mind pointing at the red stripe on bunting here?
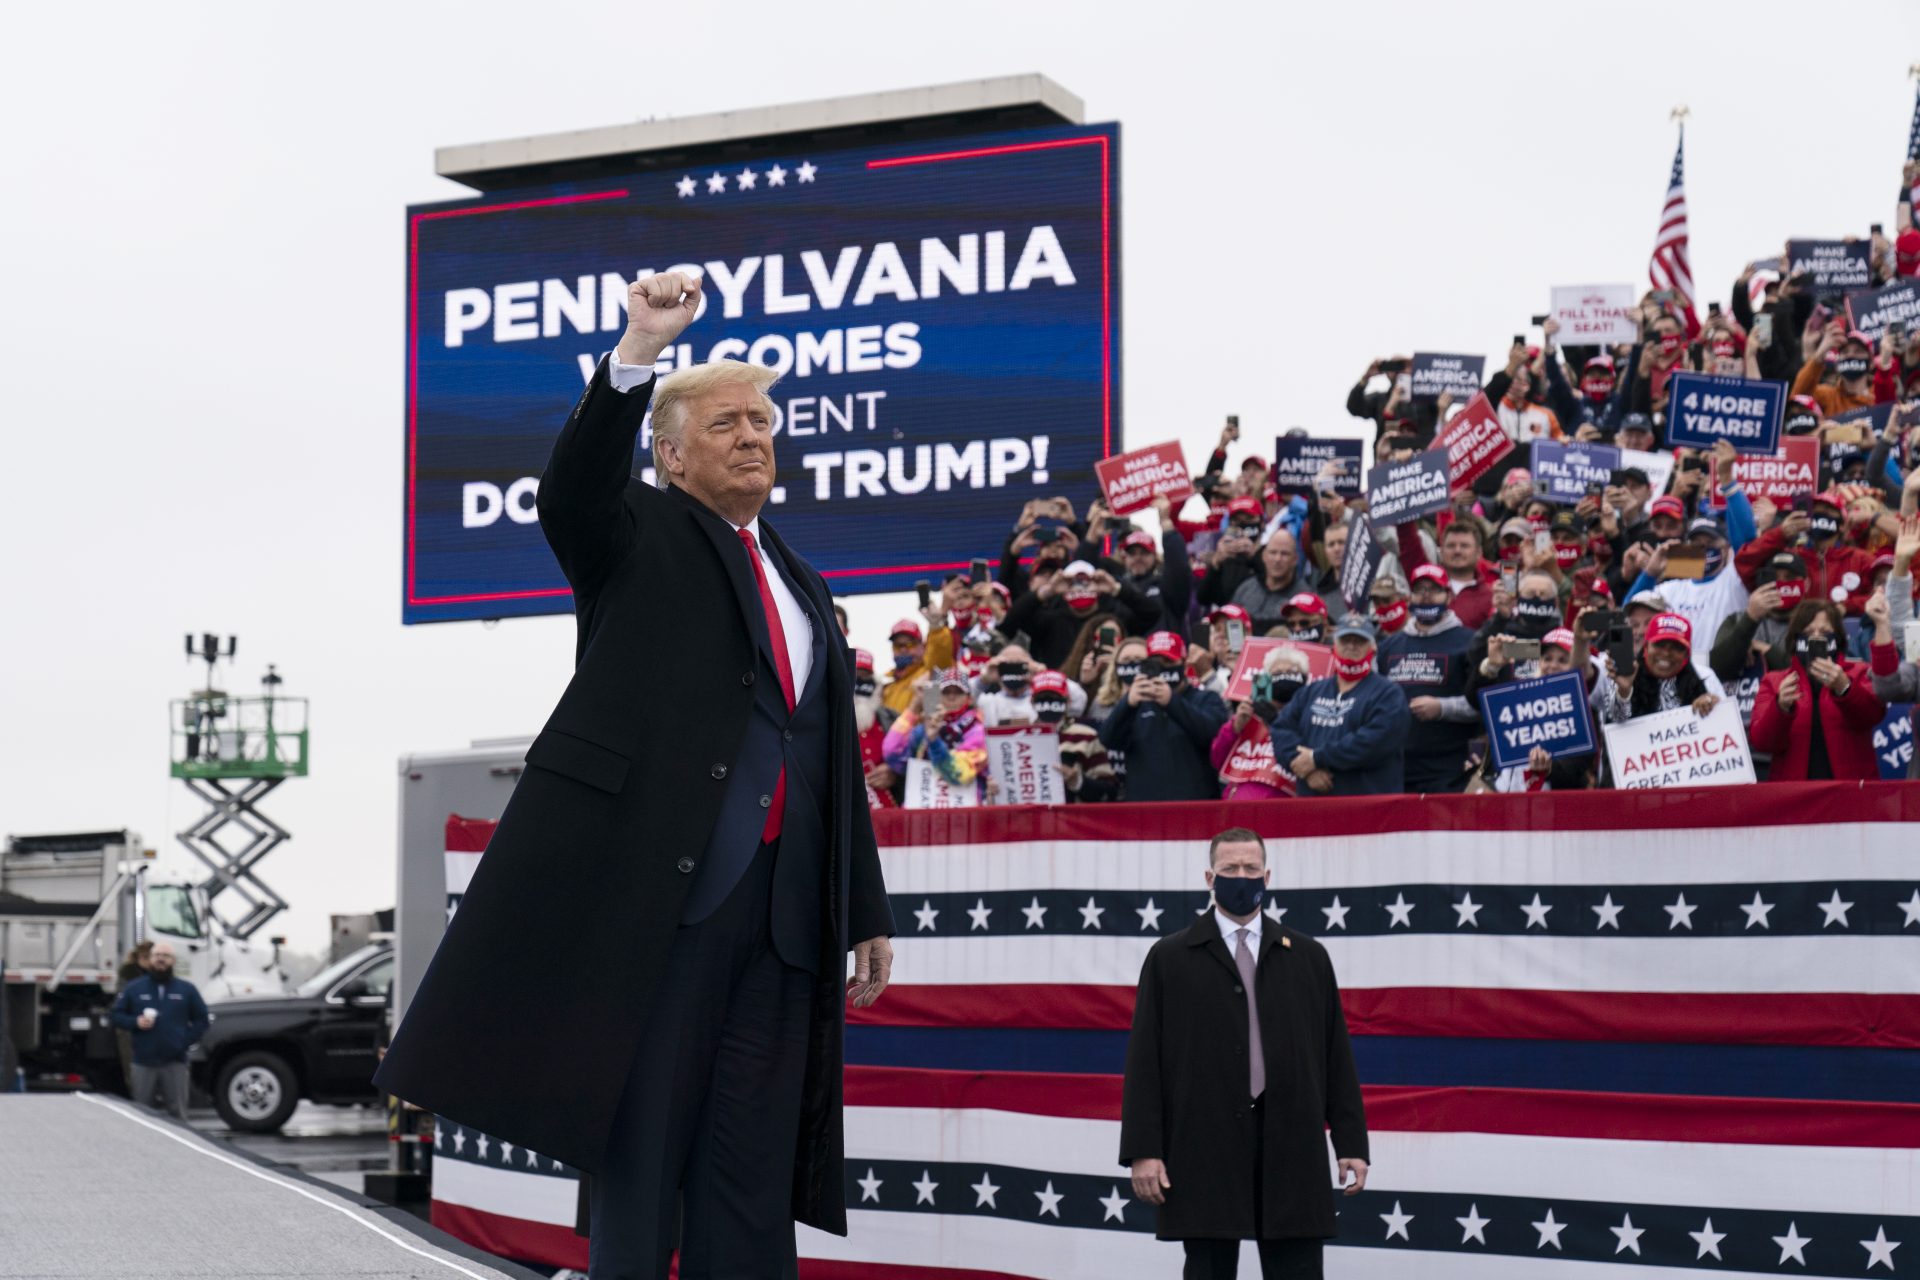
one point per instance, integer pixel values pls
(1549, 1113)
(1684, 1017)
(1652, 813)
(468, 835)
(512, 1237)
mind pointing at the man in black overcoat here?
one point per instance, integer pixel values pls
(1231, 1143)
(645, 978)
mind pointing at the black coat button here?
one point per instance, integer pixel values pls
(1239, 990)
(788, 735)
(746, 677)
(766, 802)
(685, 865)
(719, 771)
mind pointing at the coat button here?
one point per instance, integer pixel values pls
(787, 734)
(719, 771)
(746, 677)
(766, 802)
(1239, 990)
(684, 865)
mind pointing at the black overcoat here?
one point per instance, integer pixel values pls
(1185, 1098)
(526, 1020)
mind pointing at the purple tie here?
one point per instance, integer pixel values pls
(1256, 1056)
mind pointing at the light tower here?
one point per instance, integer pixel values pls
(231, 751)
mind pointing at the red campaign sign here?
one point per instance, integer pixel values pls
(1474, 441)
(1131, 481)
(1251, 759)
(1254, 658)
(1779, 477)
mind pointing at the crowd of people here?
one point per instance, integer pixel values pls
(1667, 586)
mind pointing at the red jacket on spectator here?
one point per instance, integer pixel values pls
(871, 754)
(1846, 724)
(1824, 572)
(1472, 605)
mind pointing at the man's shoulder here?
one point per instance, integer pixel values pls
(1304, 944)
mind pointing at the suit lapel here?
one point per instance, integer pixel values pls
(1206, 933)
(746, 592)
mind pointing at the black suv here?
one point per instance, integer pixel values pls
(320, 1042)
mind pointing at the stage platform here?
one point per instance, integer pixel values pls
(93, 1188)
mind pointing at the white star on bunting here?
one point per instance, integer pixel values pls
(506, 1153)
(978, 913)
(1473, 1226)
(870, 1187)
(1793, 1245)
(1397, 1223)
(1628, 1234)
(926, 915)
(806, 171)
(1879, 1249)
(1090, 914)
(1401, 910)
(1536, 911)
(1682, 913)
(746, 179)
(1116, 1206)
(1835, 910)
(480, 1147)
(1049, 1201)
(776, 177)
(1609, 915)
(1469, 912)
(1036, 914)
(1757, 911)
(685, 187)
(533, 1159)
(1708, 1239)
(717, 183)
(439, 1138)
(1149, 916)
(1336, 914)
(1274, 913)
(1549, 1231)
(1910, 909)
(985, 1190)
(925, 1188)
(459, 1142)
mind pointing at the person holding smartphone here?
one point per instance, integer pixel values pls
(1816, 718)
(944, 729)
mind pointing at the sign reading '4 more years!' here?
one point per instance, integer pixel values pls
(1549, 713)
(1133, 480)
(1703, 409)
(1680, 748)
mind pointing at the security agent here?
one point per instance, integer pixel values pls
(1237, 1066)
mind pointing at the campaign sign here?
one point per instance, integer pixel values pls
(1298, 462)
(1658, 466)
(927, 789)
(1871, 311)
(1550, 712)
(1401, 491)
(1835, 264)
(1434, 374)
(1593, 315)
(944, 317)
(1273, 653)
(1893, 742)
(1703, 408)
(1474, 441)
(1562, 472)
(1779, 477)
(1680, 748)
(1024, 762)
(1133, 480)
(1250, 759)
(1362, 562)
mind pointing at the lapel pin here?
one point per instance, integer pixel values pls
(1286, 942)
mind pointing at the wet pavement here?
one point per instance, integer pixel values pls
(334, 1144)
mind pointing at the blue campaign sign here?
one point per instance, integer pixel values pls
(1893, 742)
(1562, 472)
(1297, 461)
(1703, 408)
(945, 319)
(1550, 712)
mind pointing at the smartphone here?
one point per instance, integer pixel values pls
(1236, 636)
(1898, 328)
(1694, 463)
(1620, 648)
(1233, 420)
(1595, 488)
(1819, 647)
(1602, 621)
(1684, 562)
(1802, 502)
(1521, 650)
(1874, 229)
(925, 591)
(1536, 321)
(1542, 540)
(930, 699)
(977, 572)
(1391, 367)
(1662, 296)
(1713, 308)
(1763, 328)
(1519, 339)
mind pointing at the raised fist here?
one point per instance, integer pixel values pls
(658, 308)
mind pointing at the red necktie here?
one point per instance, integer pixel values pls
(782, 663)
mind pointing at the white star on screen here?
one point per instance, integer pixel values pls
(1149, 916)
(1879, 1249)
(1090, 914)
(806, 170)
(1049, 1200)
(746, 179)
(1468, 911)
(1035, 913)
(717, 183)
(925, 1188)
(1473, 1226)
(685, 187)
(978, 913)
(1835, 910)
(1336, 914)
(776, 177)
(1397, 1223)
(1116, 1206)
(1536, 912)
(1910, 909)
(1682, 912)
(1401, 910)
(1609, 915)
(1628, 1235)
(1794, 1245)
(985, 1190)
(1708, 1239)
(926, 915)
(1757, 911)
(1549, 1231)
(870, 1187)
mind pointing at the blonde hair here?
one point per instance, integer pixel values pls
(673, 391)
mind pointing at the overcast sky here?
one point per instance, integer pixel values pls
(204, 281)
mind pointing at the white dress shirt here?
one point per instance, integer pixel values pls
(1252, 927)
(794, 619)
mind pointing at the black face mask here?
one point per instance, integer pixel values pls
(1534, 618)
(864, 687)
(1428, 614)
(1239, 895)
(1049, 712)
(1801, 424)
(1286, 684)
(1126, 672)
(1852, 367)
(1309, 634)
(1823, 526)
(1015, 686)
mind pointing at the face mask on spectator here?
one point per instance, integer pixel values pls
(1851, 366)
(1509, 550)
(1792, 591)
(1126, 672)
(1239, 895)
(1389, 617)
(1168, 673)
(1353, 668)
(1286, 684)
(1015, 677)
(1824, 526)
(1597, 389)
(1670, 344)
(1716, 556)
(1049, 710)
(1600, 549)
(1567, 554)
(1428, 614)
(1534, 618)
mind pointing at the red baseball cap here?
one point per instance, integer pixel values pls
(1232, 612)
(1667, 505)
(955, 678)
(1670, 626)
(905, 627)
(1165, 644)
(1050, 682)
(1139, 538)
(1253, 460)
(1906, 252)
(1428, 573)
(1306, 602)
(1559, 638)
(1244, 506)
(1883, 561)
(862, 660)
(1000, 589)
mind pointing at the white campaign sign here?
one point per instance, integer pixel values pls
(1024, 759)
(1658, 466)
(1592, 315)
(926, 789)
(1681, 748)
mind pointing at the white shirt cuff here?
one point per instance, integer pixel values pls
(627, 377)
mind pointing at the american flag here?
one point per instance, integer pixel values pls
(1669, 267)
(1912, 197)
(1595, 1031)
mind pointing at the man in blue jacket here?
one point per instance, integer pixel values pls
(1343, 734)
(1166, 726)
(166, 1015)
(1429, 660)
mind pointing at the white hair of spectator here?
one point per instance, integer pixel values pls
(671, 393)
(1286, 657)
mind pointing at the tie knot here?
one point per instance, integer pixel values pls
(746, 536)
(1240, 935)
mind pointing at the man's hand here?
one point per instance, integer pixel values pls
(1704, 703)
(1880, 613)
(1141, 690)
(1320, 782)
(872, 966)
(1150, 1181)
(1105, 583)
(1788, 695)
(1723, 458)
(1538, 761)
(1657, 562)
(1763, 601)
(146, 1022)
(1424, 708)
(1242, 712)
(1795, 525)
(881, 777)
(1302, 763)
(658, 308)
(1358, 1168)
